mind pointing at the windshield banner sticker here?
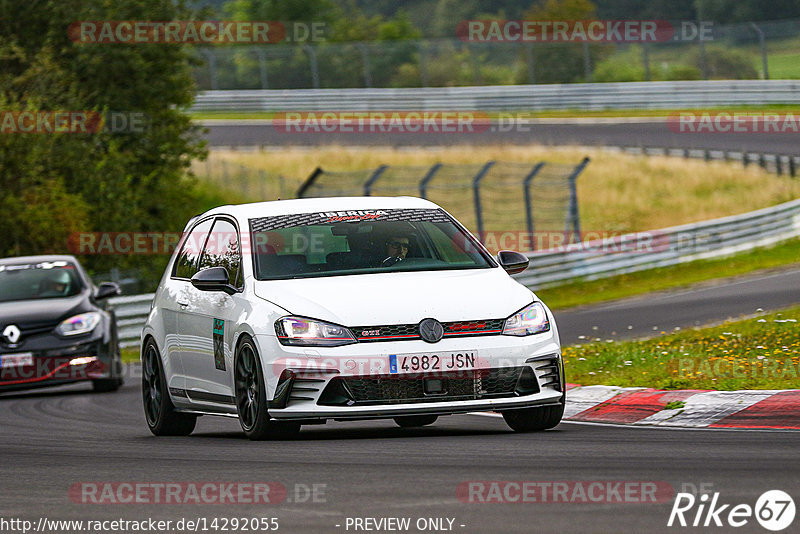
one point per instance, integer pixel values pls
(265, 224)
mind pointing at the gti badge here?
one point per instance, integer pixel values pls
(11, 334)
(431, 330)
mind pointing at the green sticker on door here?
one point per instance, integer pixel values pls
(219, 344)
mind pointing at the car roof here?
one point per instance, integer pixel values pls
(243, 212)
(21, 260)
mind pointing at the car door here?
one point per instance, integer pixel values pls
(207, 322)
(174, 298)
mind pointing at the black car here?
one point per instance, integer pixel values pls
(54, 328)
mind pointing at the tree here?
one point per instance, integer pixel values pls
(135, 180)
(562, 62)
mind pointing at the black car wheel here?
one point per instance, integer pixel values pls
(412, 421)
(162, 419)
(251, 398)
(534, 419)
(115, 381)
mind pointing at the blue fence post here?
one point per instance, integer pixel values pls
(374, 178)
(574, 219)
(526, 184)
(476, 192)
(423, 184)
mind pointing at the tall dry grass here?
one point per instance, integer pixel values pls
(617, 192)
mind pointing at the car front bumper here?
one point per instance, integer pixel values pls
(300, 380)
(70, 362)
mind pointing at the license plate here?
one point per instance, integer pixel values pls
(433, 362)
(16, 360)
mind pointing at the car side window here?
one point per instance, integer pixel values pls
(222, 250)
(187, 263)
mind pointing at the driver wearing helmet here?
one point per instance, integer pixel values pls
(57, 284)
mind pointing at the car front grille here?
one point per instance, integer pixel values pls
(402, 332)
(451, 386)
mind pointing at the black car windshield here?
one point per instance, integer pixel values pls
(44, 280)
(361, 241)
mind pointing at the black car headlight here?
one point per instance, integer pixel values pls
(310, 332)
(531, 319)
(79, 324)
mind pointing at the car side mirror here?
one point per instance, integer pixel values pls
(213, 279)
(513, 262)
(106, 290)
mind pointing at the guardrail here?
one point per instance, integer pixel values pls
(131, 312)
(582, 96)
(777, 163)
(665, 247)
(597, 259)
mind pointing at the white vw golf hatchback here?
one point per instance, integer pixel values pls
(299, 311)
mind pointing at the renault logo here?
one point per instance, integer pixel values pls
(11, 334)
(431, 330)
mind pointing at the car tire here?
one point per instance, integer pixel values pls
(159, 412)
(534, 419)
(251, 398)
(414, 421)
(107, 385)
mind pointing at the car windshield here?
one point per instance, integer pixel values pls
(44, 280)
(362, 241)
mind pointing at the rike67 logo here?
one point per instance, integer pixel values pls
(774, 510)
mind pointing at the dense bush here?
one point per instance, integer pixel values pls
(725, 63)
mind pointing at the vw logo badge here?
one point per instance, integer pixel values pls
(11, 333)
(431, 330)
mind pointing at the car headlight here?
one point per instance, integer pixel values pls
(531, 319)
(302, 331)
(79, 324)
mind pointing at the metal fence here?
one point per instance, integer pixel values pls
(599, 259)
(580, 96)
(249, 184)
(492, 196)
(778, 163)
(740, 51)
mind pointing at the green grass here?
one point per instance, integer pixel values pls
(130, 354)
(783, 66)
(756, 353)
(629, 285)
(791, 64)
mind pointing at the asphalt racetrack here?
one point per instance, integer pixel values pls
(340, 475)
(597, 132)
(701, 305)
(53, 440)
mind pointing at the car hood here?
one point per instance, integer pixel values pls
(399, 298)
(26, 313)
